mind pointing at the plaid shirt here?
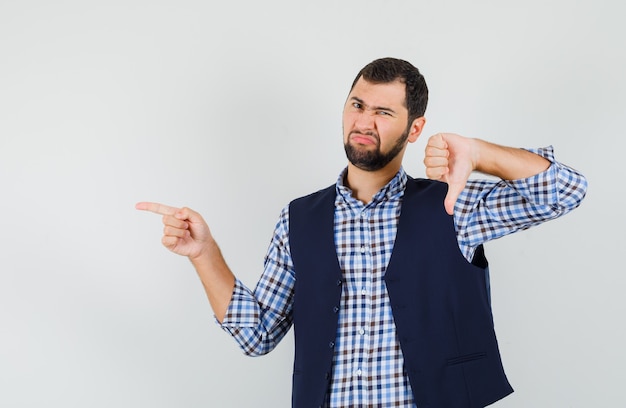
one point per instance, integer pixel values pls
(368, 365)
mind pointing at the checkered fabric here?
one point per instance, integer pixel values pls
(368, 366)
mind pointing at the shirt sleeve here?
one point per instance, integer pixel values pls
(259, 319)
(490, 209)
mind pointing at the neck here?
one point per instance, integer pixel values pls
(365, 184)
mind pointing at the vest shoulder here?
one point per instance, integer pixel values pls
(422, 184)
(315, 196)
(425, 182)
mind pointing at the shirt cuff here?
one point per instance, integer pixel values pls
(542, 187)
(243, 309)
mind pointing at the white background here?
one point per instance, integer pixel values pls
(234, 109)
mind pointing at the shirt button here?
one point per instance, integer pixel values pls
(358, 372)
(363, 249)
(363, 291)
(362, 331)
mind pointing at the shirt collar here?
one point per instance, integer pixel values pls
(394, 189)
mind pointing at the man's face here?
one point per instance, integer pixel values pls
(375, 127)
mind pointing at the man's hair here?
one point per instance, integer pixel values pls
(386, 70)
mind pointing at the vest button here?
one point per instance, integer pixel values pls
(335, 309)
(331, 344)
(339, 282)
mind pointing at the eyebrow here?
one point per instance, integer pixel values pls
(383, 108)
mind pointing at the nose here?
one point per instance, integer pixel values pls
(364, 120)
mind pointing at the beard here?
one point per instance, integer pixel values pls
(372, 160)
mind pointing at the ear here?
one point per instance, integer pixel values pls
(416, 129)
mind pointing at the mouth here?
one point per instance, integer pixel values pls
(363, 138)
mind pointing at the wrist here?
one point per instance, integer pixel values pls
(207, 252)
(475, 149)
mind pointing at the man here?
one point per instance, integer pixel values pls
(384, 276)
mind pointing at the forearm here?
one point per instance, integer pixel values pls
(216, 277)
(256, 327)
(259, 320)
(489, 209)
(507, 163)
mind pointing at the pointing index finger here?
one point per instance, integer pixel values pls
(156, 208)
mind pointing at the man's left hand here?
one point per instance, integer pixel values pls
(450, 158)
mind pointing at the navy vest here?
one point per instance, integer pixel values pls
(440, 303)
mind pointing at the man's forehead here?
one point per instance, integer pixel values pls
(392, 94)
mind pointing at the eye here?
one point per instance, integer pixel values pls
(357, 105)
(384, 113)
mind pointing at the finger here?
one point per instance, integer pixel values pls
(175, 232)
(436, 167)
(188, 214)
(173, 221)
(454, 190)
(156, 208)
(437, 141)
(169, 242)
(432, 151)
(435, 161)
(437, 173)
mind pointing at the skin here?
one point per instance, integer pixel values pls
(374, 118)
(452, 158)
(186, 233)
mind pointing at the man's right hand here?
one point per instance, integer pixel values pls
(185, 232)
